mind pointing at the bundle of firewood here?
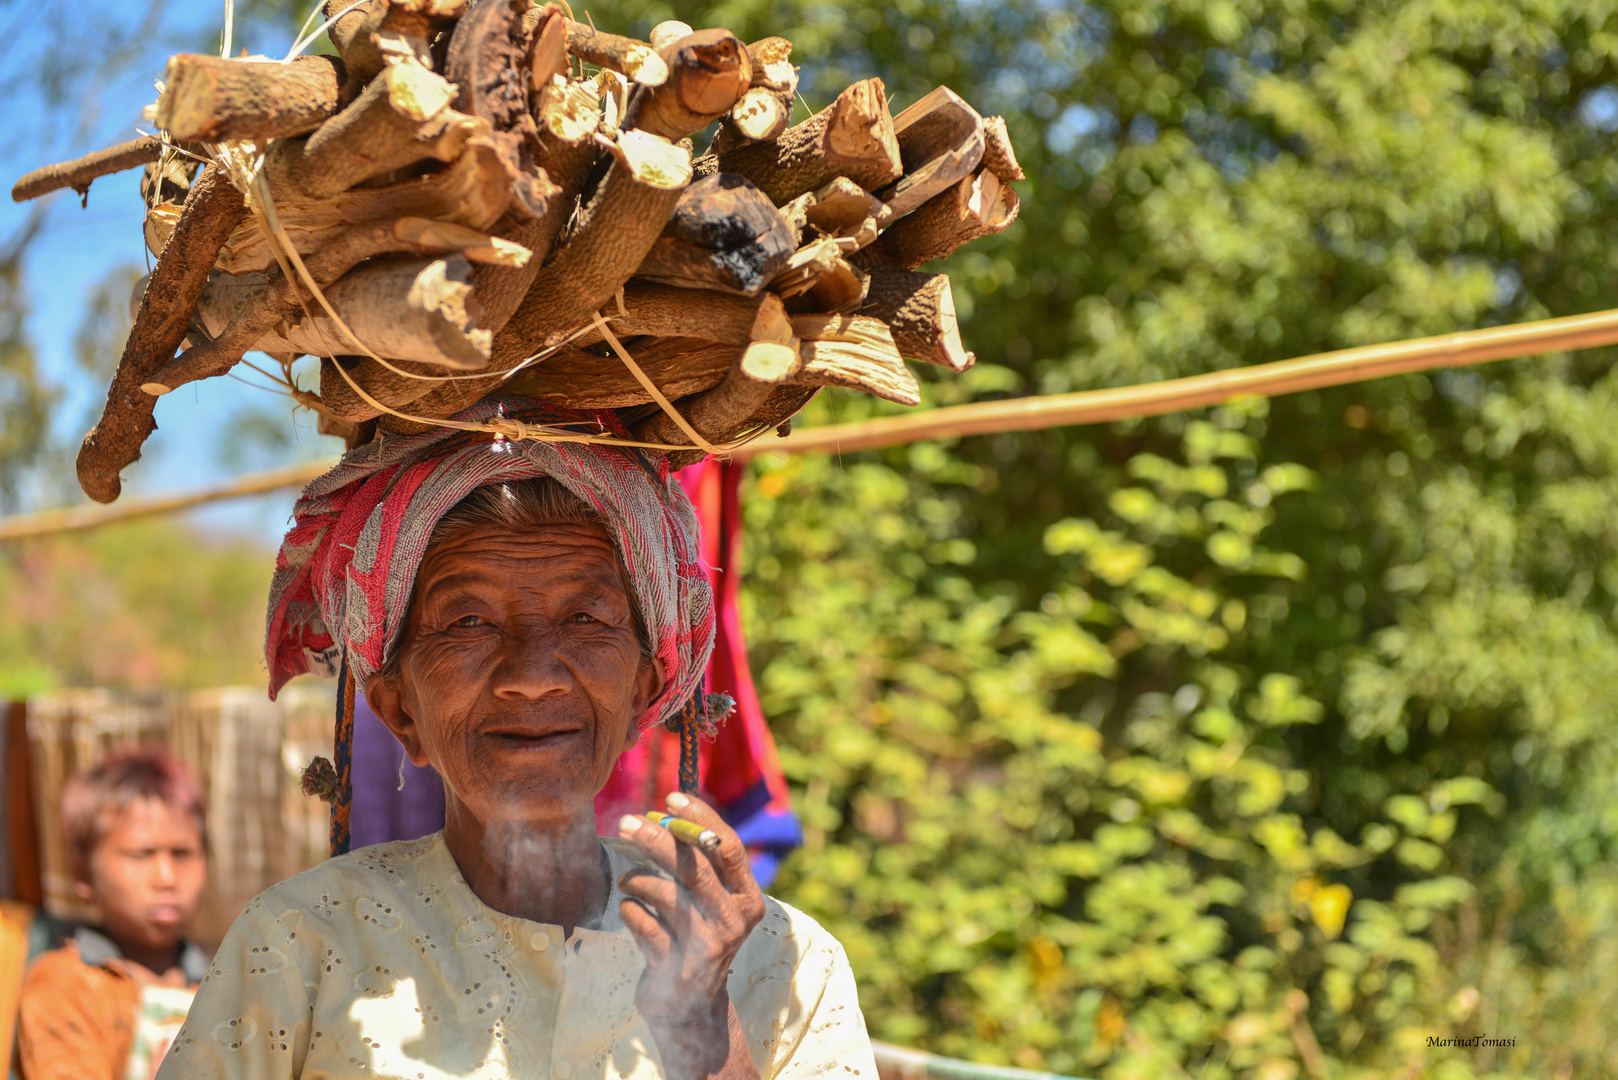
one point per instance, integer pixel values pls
(492, 198)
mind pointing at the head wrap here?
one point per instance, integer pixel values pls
(347, 568)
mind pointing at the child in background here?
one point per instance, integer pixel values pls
(106, 1004)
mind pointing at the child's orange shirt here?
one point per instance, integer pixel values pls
(79, 1008)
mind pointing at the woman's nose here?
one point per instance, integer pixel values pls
(530, 663)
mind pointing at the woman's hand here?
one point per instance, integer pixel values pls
(690, 930)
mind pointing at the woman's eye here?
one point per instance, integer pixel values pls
(581, 617)
(468, 620)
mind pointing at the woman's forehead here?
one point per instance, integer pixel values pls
(558, 554)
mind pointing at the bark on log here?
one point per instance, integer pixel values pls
(941, 141)
(78, 173)
(212, 99)
(713, 414)
(474, 192)
(678, 367)
(212, 210)
(486, 62)
(978, 206)
(652, 310)
(854, 351)
(635, 60)
(852, 137)
(919, 309)
(998, 156)
(708, 73)
(724, 235)
(401, 118)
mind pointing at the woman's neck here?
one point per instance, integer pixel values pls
(534, 871)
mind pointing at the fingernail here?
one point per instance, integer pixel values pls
(628, 824)
(678, 801)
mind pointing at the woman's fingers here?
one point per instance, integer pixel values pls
(729, 859)
(689, 865)
(651, 935)
(660, 894)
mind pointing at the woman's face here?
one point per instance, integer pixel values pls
(521, 676)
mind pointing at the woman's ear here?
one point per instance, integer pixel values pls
(387, 702)
(648, 684)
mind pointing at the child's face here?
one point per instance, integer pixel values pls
(146, 874)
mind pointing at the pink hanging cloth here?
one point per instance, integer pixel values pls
(740, 771)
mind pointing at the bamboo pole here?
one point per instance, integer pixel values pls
(1022, 414)
(1177, 395)
(81, 518)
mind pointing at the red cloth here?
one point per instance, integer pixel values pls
(740, 770)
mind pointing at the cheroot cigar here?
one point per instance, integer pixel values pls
(688, 831)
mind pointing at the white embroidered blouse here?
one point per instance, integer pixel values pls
(384, 963)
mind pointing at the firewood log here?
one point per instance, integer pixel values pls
(212, 99)
(725, 235)
(616, 230)
(941, 141)
(546, 28)
(667, 33)
(920, 311)
(635, 60)
(854, 351)
(241, 318)
(78, 173)
(708, 73)
(474, 191)
(772, 355)
(212, 210)
(401, 118)
(978, 206)
(998, 156)
(837, 288)
(652, 310)
(765, 111)
(678, 366)
(359, 34)
(772, 68)
(840, 205)
(852, 137)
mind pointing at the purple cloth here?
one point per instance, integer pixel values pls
(381, 812)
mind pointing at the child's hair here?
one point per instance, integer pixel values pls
(120, 779)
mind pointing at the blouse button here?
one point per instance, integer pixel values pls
(561, 1070)
(540, 941)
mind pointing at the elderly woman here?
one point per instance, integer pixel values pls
(516, 612)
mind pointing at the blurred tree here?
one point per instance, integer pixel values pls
(25, 399)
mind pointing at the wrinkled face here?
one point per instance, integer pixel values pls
(146, 874)
(521, 675)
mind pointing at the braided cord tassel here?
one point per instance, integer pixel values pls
(689, 755)
(342, 802)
